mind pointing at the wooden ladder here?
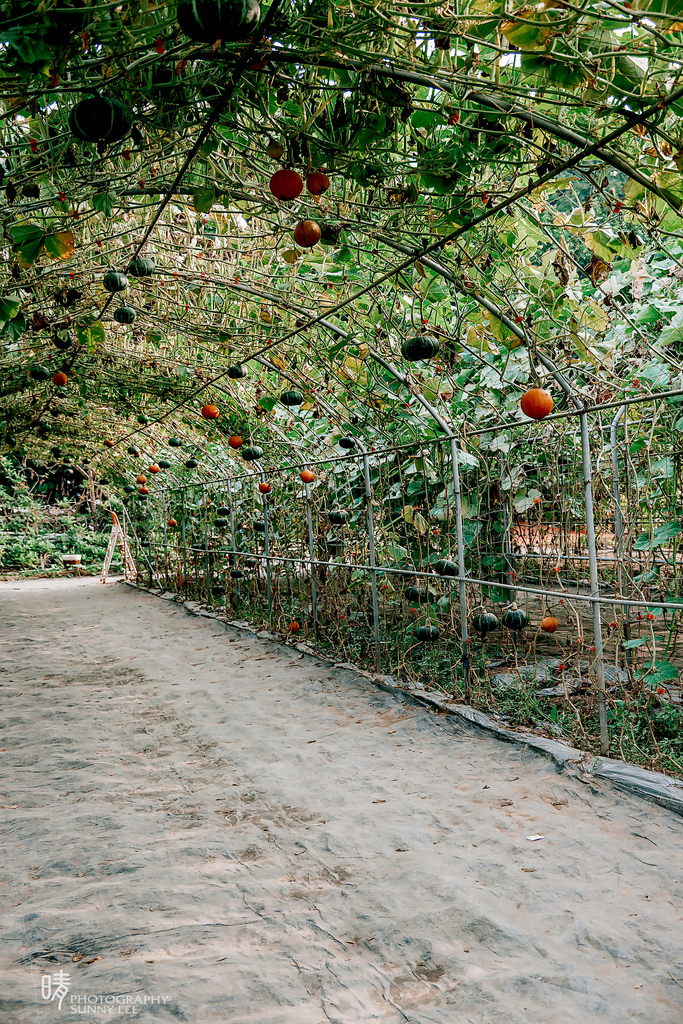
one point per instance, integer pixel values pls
(117, 536)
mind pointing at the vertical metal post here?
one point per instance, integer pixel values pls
(373, 571)
(311, 548)
(209, 583)
(618, 521)
(266, 546)
(183, 536)
(234, 547)
(461, 568)
(595, 585)
(163, 512)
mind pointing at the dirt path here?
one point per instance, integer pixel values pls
(208, 828)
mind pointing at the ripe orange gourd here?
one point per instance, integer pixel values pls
(286, 184)
(308, 476)
(109, 444)
(549, 624)
(210, 412)
(154, 468)
(307, 234)
(235, 441)
(317, 183)
(537, 403)
(143, 490)
(264, 488)
(60, 379)
(141, 479)
(294, 627)
(173, 522)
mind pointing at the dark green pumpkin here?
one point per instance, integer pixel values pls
(57, 451)
(100, 119)
(291, 398)
(338, 516)
(205, 21)
(62, 340)
(416, 595)
(444, 567)
(427, 633)
(129, 489)
(143, 419)
(133, 450)
(260, 526)
(175, 442)
(38, 372)
(238, 372)
(222, 510)
(252, 454)
(124, 315)
(164, 464)
(220, 523)
(114, 281)
(142, 497)
(141, 267)
(347, 443)
(419, 347)
(237, 574)
(484, 622)
(514, 618)
(191, 464)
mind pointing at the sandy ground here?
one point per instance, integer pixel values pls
(205, 827)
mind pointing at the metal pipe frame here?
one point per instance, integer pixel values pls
(373, 570)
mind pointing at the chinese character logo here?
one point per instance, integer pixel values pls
(55, 986)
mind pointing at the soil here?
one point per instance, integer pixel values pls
(202, 819)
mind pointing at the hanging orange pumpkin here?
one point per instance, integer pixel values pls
(307, 234)
(60, 379)
(549, 624)
(294, 627)
(210, 412)
(537, 403)
(154, 468)
(173, 522)
(317, 183)
(308, 476)
(109, 444)
(286, 184)
(264, 488)
(235, 442)
(141, 479)
(143, 490)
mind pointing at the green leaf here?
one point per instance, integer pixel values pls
(9, 306)
(90, 335)
(105, 202)
(203, 199)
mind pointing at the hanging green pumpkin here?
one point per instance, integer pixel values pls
(427, 633)
(205, 21)
(238, 372)
(62, 340)
(222, 510)
(260, 527)
(38, 372)
(133, 450)
(251, 562)
(142, 497)
(514, 618)
(291, 398)
(100, 119)
(115, 281)
(484, 622)
(124, 315)
(143, 419)
(252, 454)
(220, 523)
(175, 442)
(338, 516)
(129, 489)
(444, 567)
(420, 347)
(236, 574)
(417, 595)
(142, 266)
(348, 443)
(164, 464)
(191, 464)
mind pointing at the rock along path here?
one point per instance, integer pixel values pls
(205, 827)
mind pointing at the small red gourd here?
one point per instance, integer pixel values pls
(109, 444)
(235, 442)
(141, 479)
(537, 403)
(210, 412)
(143, 490)
(549, 624)
(60, 379)
(317, 183)
(154, 468)
(173, 522)
(286, 184)
(308, 476)
(294, 627)
(264, 488)
(307, 234)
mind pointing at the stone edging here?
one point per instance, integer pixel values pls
(653, 786)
